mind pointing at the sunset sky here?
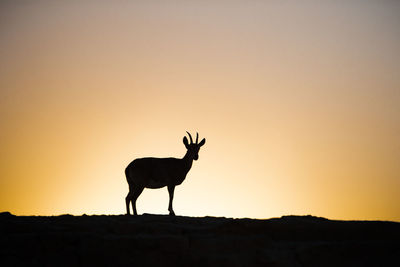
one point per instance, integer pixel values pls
(299, 102)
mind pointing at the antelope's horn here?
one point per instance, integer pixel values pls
(191, 140)
(197, 137)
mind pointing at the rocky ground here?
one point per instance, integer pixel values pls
(159, 240)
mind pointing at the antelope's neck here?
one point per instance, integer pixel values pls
(187, 162)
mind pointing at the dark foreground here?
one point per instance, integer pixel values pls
(157, 240)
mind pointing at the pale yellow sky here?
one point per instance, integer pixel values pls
(299, 103)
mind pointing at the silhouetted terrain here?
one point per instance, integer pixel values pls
(187, 241)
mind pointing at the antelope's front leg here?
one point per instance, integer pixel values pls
(171, 197)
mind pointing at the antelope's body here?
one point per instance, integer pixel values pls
(159, 172)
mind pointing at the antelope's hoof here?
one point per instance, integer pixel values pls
(171, 213)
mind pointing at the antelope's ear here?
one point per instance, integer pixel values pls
(202, 142)
(185, 141)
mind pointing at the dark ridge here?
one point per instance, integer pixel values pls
(6, 214)
(161, 240)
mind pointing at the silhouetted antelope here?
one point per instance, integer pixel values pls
(159, 172)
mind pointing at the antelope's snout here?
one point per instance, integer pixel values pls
(196, 157)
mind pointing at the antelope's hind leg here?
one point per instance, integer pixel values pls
(136, 193)
(127, 200)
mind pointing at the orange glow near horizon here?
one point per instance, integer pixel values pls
(299, 103)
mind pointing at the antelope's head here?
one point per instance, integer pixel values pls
(193, 148)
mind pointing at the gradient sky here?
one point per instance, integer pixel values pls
(299, 103)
